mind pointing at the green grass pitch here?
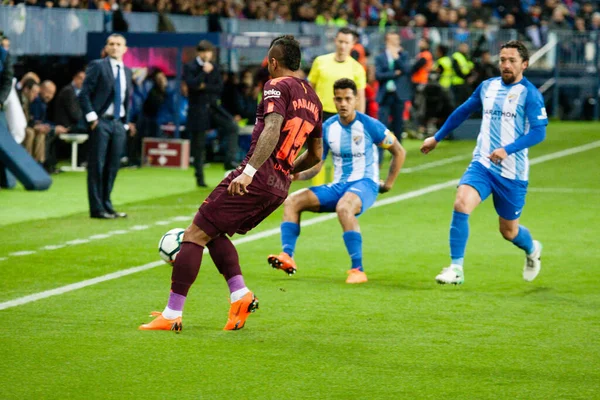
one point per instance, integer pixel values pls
(400, 336)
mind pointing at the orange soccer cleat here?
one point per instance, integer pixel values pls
(239, 312)
(283, 262)
(355, 275)
(160, 323)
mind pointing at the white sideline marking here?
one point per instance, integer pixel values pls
(271, 232)
(162, 222)
(564, 153)
(78, 285)
(21, 253)
(139, 227)
(77, 241)
(564, 190)
(53, 246)
(100, 236)
(434, 164)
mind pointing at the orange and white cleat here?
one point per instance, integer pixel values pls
(239, 312)
(160, 323)
(283, 262)
(355, 275)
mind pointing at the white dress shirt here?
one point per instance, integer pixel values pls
(92, 116)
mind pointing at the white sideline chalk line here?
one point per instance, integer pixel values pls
(434, 164)
(564, 190)
(99, 236)
(270, 232)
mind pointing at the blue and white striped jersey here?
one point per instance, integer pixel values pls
(353, 147)
(509, 111)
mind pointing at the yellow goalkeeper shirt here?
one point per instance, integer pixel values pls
(326, 70)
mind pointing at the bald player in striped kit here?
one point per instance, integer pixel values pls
(514, 119)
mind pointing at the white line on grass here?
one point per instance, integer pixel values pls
(21, 253)
(564, 190)
(271, 232)
(434, 164)
(100, 236)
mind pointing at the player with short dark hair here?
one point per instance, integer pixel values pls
(289, 115)
(352, 137)
(514, 119)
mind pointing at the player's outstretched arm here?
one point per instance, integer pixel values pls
(457, 117)
(264, 148)
(398, 157)
(310, 159)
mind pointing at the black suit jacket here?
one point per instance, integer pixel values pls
(200, 99)
(67, 111)
(98, 93)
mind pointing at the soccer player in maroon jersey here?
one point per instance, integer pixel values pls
(289, 115)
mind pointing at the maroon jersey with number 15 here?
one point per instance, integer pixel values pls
(301, 109)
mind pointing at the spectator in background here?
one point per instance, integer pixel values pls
(148, 125)
(358, 52)
(247, 99)
(328, 68)
(371, 93)
(175, 106)
(463, 67)
(5, 43)
(28, 76)
(423, 64)
(6, 83)
(443, 67)
(392, 70)
(67, 111)
(558, 21)
(39, 114)
(205, 85)
(479, 11)
(35, 134)
(484, 69)
(595, 24)
(586, 12)
(6, 77)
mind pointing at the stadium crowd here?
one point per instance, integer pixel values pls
(531, 18)
(432, 82)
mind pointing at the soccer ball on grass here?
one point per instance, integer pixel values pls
(170, 244)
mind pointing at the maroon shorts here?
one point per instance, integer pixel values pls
(221, 213)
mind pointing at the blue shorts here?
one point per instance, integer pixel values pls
(508, 194)
(329, 195)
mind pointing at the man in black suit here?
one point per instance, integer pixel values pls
(104, 100)
(205, 84)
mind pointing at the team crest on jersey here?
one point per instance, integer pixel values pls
(357, 139)
(511, 97)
